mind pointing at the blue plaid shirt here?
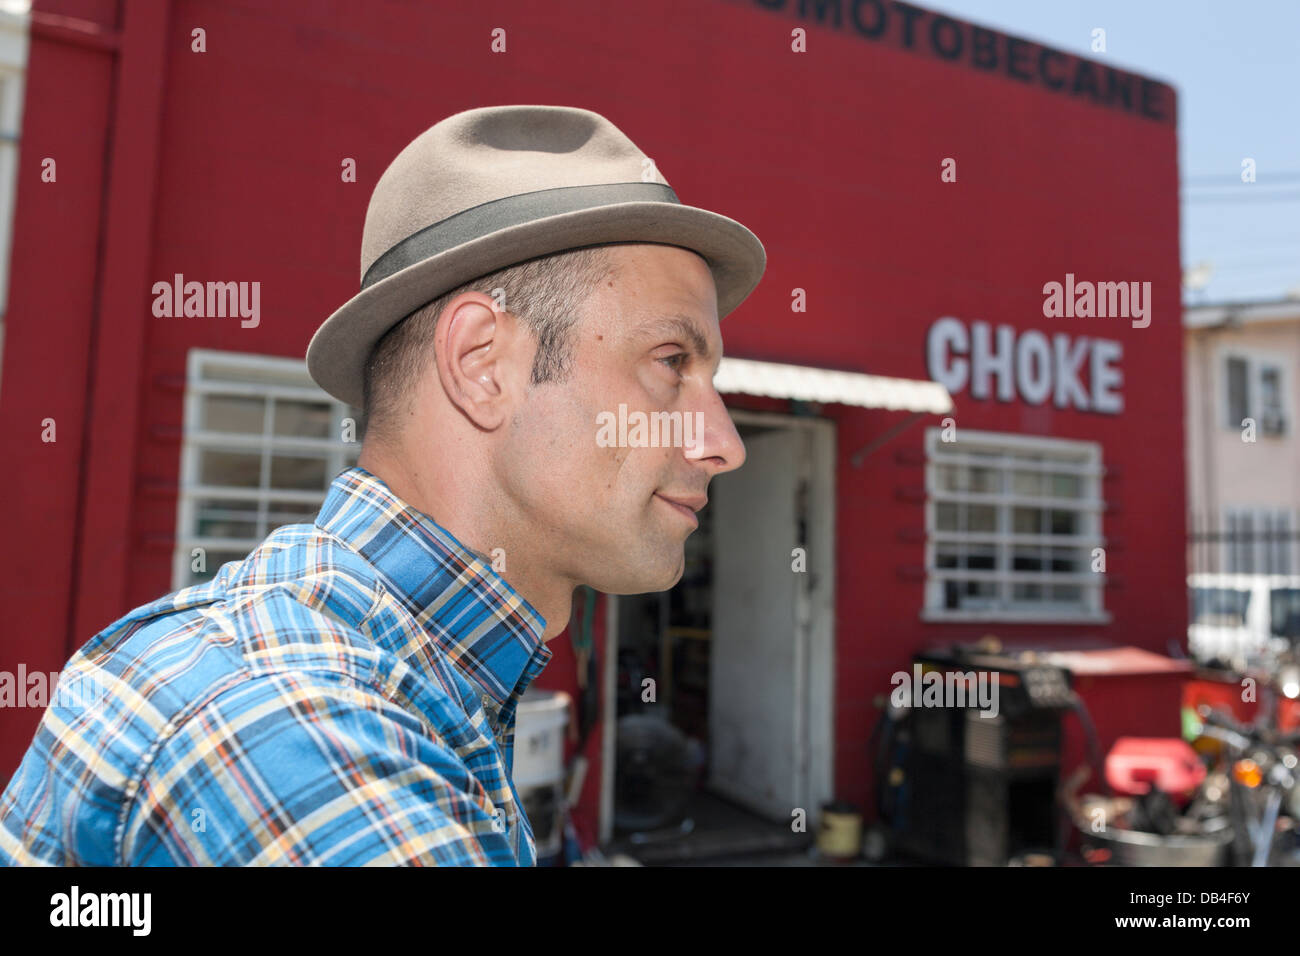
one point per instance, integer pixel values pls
(345, 695)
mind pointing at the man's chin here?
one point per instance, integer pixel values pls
(642, 580)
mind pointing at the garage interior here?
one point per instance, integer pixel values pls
(713, 698)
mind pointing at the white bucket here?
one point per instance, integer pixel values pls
(540, 722)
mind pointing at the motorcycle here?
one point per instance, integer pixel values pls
(1261, 768)
(1231, 797)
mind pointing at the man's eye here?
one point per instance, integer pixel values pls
(675, 362)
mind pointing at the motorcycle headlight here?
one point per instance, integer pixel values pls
(1288, 679)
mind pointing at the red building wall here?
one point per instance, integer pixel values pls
(225, 165)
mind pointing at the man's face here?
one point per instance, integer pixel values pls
(600, 511)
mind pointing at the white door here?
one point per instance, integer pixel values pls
(758, 708)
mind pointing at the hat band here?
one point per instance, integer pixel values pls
(489, 217)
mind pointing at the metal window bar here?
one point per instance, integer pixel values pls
(1243, 586)
(1266, 543)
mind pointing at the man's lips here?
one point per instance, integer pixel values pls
(686, 505)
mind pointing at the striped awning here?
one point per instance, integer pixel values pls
(808, 384)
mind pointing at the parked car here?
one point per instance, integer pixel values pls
(1237, 620)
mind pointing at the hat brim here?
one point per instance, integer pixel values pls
(338, 352)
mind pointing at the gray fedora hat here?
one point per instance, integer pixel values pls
(491, 187)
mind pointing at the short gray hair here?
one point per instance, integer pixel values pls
(545, 294)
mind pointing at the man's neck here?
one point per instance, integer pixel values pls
(549, 596)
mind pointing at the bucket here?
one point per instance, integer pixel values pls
(1135, 848)
(538, 772)
(839, 834)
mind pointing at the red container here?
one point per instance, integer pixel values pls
(1137, 764)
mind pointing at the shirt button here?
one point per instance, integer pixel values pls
(487, 701)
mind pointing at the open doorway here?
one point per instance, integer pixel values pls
(723, 685)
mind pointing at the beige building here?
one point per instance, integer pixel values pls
(1242, 400)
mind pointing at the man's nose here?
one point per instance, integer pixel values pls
(716, 443)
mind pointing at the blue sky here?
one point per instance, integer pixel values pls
(1236, 67)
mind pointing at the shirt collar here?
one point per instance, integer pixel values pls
(467, 612)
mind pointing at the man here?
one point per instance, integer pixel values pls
(347, 693)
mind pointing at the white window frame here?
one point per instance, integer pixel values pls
(1256, 361)
(199, 384)
(1082, 458)
(15, 25)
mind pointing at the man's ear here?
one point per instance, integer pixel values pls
(474, 347)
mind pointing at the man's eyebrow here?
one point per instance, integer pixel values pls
(681, 326)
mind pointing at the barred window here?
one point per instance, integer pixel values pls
(1012, 522)
(262, 444)
(1260, 541)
